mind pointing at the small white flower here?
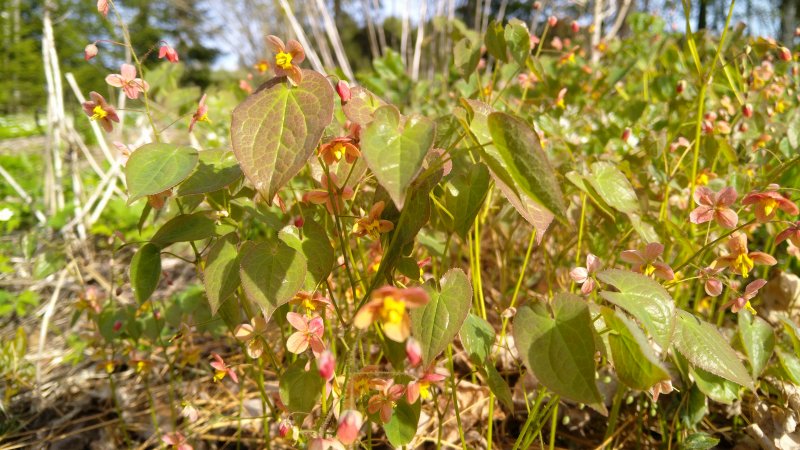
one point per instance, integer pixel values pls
(6, 214)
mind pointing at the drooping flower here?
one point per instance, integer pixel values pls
(552, 21)
(168, 52)
(314, 303)
(127, 80)
(176, 440)
(712, 284)
(254, 334)
(583, 275)
(386, 398)
(89, 52)
(287, 58)
(792, 233)
(333, 151)
(190, 412)
(767, 204)
(284, 427)
(157, 201)
(98, 109)
(309, 334)
(560, 98)
(201, 114)
(245, 86)
(325, 444)
(222, 369)
(784, 54)
(646, 261)
(388, 306)
(372, 225)
(715, 206)
(326, 364)
(421, 388)
(333, 200)
(743, 301)
(349, 426)
(343, 90)
(102, 7)
(413, 352)
(739, 259)
(662, 387)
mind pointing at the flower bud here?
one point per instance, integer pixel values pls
(784, 54)
(89, 52)
(413, 352)
(343, 89)
(626, 134)
(284, 428)
(537, 5)
(743, 127)
(326, 364)
(680, 87)
(168, 52)
(552, 21)
(575, 27)
(349, 426)
(747, 110)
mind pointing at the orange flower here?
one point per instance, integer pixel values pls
(334, 150)
(287, 57)
(388, 306)
(739, 259)
(373, 225)
(386, 399)
(254, 334)
(333, 197)
(768, 203)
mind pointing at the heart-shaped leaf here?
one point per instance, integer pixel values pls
(643, 298)
(466, 55)
(477, 337)
(154, 168)
(221, 271)
(518, 40)
(394, 148)
(613, 187)
(316, 247)
(758, 341)
(276, 129)
(362, 105)
(184, 228)
(402, 427)
(300, 389)
(559, 349)
(217, 168)
(465, 196)
(635, 362)
(436, 324)
(271, 273)
(145, 271)
(495, 41)
(704, 347)
(716, 388)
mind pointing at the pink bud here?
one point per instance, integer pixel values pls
(797, 32)
(413, 351)
(89, 52)
(747, 110)
(117, 326)
(102, 7)
(284, 428)
(349, 425)
(299, 221)
(626, 134)
(343, 89)
(784, 54)
(680, 87)
(552, 21)
(743, 127)
(326, 364)
(168, 52)
(708, 127)
(537, 5)
(575, 27)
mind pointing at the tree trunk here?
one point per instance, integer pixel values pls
(789, 11)
(702, 16)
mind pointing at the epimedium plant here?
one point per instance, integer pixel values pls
(312, 238)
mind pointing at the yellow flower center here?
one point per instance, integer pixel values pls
(203, 118)
(219, 375)
(750, 308)
(425, 390)
(283, 60)
(393, 310)
(702, 179)
(744, 264)
(99, 113)
(769, 206)
(309, 305)
(649, 269)
(338, 151)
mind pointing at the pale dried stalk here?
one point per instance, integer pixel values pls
(48, 314)
(319, 38)
(423, 10)
(404, 38)
(336, 42)
(621, 15)
(597, 24)
(22, 194)
(301, 37)
(373, 37)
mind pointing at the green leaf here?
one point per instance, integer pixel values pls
(362, 105)
(613, 187)
(704, 347)
(477, 337)
(790, 363)
(436, 324)
(700, 441)
(499, 387)
(185, 228)
(580, 182)
(221, 271)
(643, 298)
(466, 55)
(635, 362)
(519, 147)
(316, 247)
(275, 130)
(300, 389)
(465, 197)
(518, 40)
(402, 427)
(758, 341)
(154, 168)
(145, 271)
(394, 148)
(217, 168)
(716, 388)
(495, 41)
(271, 273)
(559, 349)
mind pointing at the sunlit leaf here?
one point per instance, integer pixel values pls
(477, 337)
(465, 197)
(185, 228)
(402, 427)
(300, 389)
(221, 271)
(613, 187)
(216, 169)
(145, 271)
(154, 168)
(271, 273)
(758, 341)
(635, 362)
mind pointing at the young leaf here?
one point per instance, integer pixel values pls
(362, 105)
(145, 271)
(716, 388)
(276, 129)
(635, 362)
(466, 55)
(559, 349)
(644, 299)
(221, 271)
(402, 427)
(185, 228)
(495, 41)
(299, 389)
(790, 363)
(613, 187)
(518, 40)
(436, 324)
(465, 196)
(217, 168)
(477, 337)
(499, 387)
(700, 441)
(758, 341)
(271, 273)
(315, 246)
(704, 347)
(394, 148)
(154, 168)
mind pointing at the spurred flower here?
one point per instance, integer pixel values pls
(784, 54)
(168, 52)
(792, 233)
(284, 427)
(552, 21)
(413, 352)
(715, 206)
(176, 440)
(222, 369)
(314, 303)
(386, 398)
(325, 444)
(421, 388)
(309, 334)
(287, 58)
(190, 412)
(712, 284)
(333, 200)
(372, 225)
(254, 334)
(349, 426)
(338, 148)
(98, 109)
(768, 203)
(662, 387)
(739, 259)
(388, 306)
(326, 364)
(89, 52)
(743, 301)
(127, 80)
(343, 90)
(646, 261)
(102, 7)
(583, 275)
(201, 114)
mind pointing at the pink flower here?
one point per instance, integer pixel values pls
(201, 114)
(102, 7)
(583, 275)
(287, 58)
(372, 225)
(413, 352)
(712, 285)
(743, 302)
(333, 200)
(325, 444)
(575, 27)
(349, 426)
(646, 261)
(784, 54)
(284, 428)
(662, 387)
(716, 206)
(326, 364)
(98, 109)
(792, 233)
(552, 21)
(222, 369)
(176, 440)
(343, 89)
(739, 259)
(386, 399)
(388, 306)
(127, 80)
(190, 412)
(168, 52)
(339, 147)
(309, 334)
(254, 334)
(767, 204)
(422, 386)
(89, 52)
(245, 86)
